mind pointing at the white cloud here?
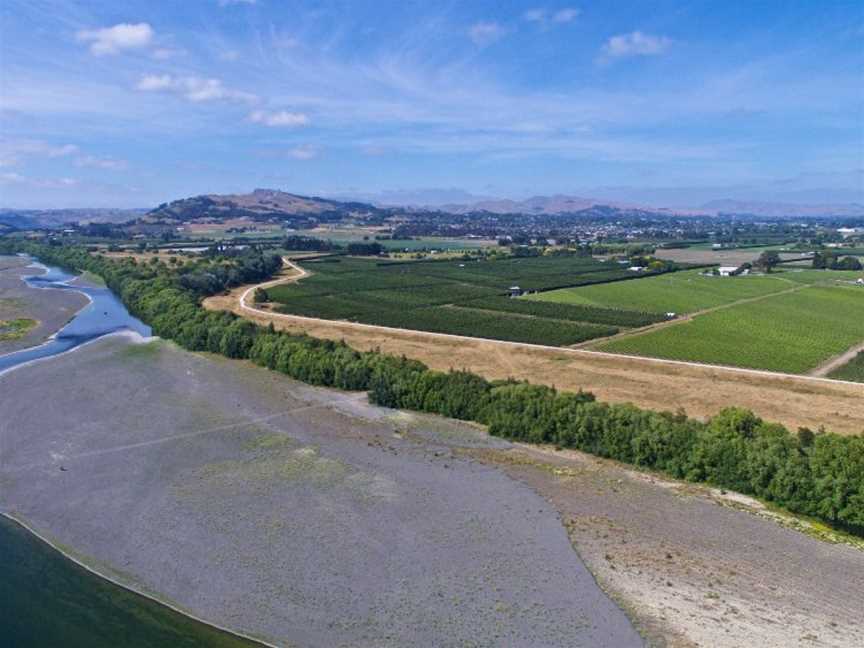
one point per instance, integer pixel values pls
(11, 152)
(486, 33)
(544, 16)
(635, 44)
(193, 88)
(229, 55)
(535, 15)
(40, 183)
(89, 161)
(165, 53)
(279, 118)
(303, 152)
(112, 40)
(566, 15)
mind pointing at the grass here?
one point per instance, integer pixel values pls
(791, 332)
(680, 292)
(690, 291)
(852, 370)
(15, 329)
(440, 296)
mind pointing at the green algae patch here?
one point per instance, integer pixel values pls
(144, 351)
(15, 329)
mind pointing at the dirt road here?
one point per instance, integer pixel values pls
(701, 390)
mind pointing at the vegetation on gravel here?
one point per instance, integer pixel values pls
(15, 329)
(818, 474)
(791, 332)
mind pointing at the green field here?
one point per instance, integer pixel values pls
(460, 297)
(791, 332)
(852, 370)
(687, 292)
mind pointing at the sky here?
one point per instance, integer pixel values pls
(130, 104)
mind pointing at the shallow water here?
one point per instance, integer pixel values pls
(48, 600)
(104, 314)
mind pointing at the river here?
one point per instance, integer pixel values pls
(47, 599)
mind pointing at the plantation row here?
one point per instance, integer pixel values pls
(572, 312)
(852, 370)
(816, 474)
(791, 332)
(459, 297)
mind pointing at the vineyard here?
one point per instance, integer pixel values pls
(852, 370)
(461, 297)
(791, 332)
(689, 291)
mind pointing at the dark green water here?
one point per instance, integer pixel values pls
(48, 600)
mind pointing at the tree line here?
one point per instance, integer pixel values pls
(813, 473)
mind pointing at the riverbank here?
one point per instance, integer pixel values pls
(308, 517)
(51, 309)
(298, 514)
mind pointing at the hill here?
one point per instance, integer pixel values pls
(261, 205)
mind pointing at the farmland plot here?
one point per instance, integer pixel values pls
(791, 332)
(460, 297)
(680, 292)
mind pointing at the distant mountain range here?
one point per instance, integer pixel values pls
(276, 205)
(53, 218)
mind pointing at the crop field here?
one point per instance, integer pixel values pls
(461, 297)
(680, 292)
(791, 332)
(689, 291)
(852, 370)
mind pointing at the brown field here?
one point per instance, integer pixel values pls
(700, 390)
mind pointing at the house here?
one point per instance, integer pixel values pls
(515, 291)
(636, 269)
(860, 281)
(727, 271)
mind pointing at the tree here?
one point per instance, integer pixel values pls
(767, 260)
(260, 296)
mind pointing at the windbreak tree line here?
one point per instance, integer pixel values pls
(818, 474)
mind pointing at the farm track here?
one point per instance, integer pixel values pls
(653, 383)
(837, 361)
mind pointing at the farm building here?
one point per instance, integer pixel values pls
(730, 271)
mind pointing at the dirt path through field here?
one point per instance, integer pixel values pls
(701, 390)
(837, 361)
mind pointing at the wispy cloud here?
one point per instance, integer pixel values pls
(279, 118)
(13, 151)
(544, 17)
(40, 183)
(635, 44)
(165, 53)
(113, 40)
(303, 152)
(193, 88)
(486, 33)
(110, 164)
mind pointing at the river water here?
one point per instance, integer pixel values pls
(104, 314)
(47, 599)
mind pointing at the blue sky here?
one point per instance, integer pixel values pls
(134, 103)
